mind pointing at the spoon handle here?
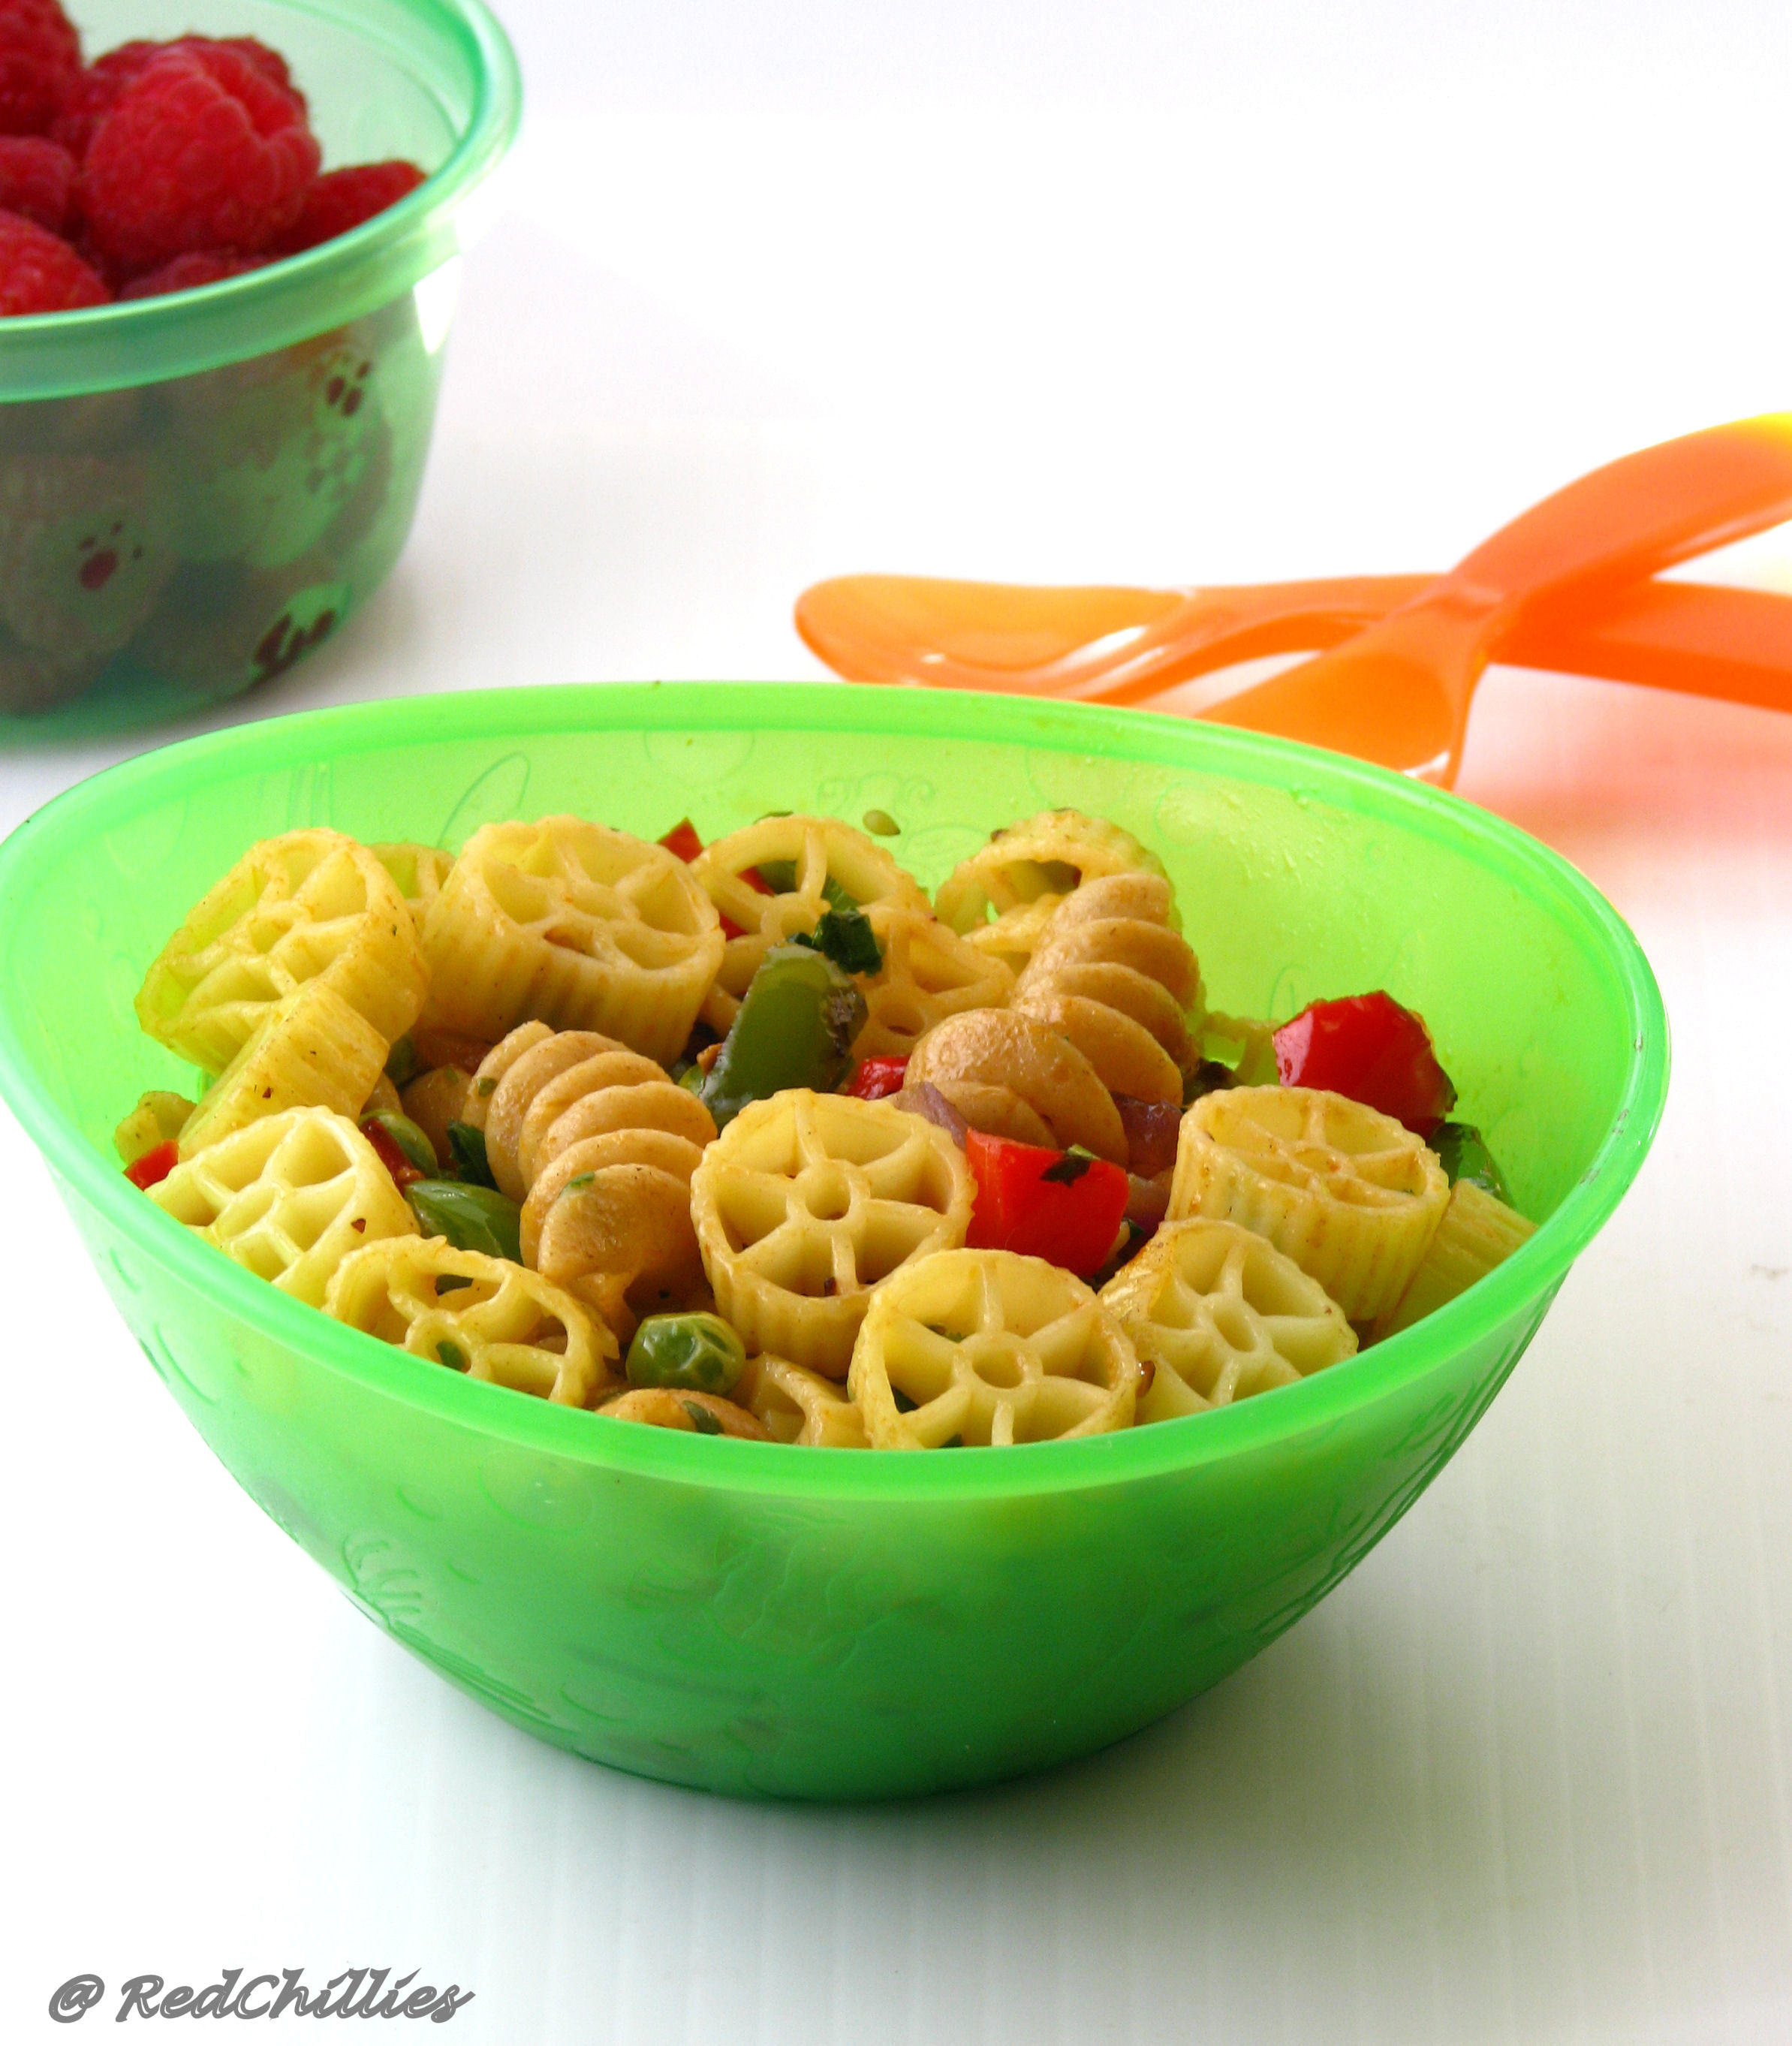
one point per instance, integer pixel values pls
(1629, 520)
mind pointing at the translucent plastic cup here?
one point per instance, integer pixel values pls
(197, 490)
(773, 1621)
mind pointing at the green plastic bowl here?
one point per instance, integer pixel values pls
(821, 1622)
(245, 458)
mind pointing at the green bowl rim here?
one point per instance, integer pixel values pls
(1316, 1404)
(62, 355)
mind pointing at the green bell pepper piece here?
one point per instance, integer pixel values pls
(471, 1218)
(1462, 1151)
(411, 1140)
(796, 1023)
(468, 1145)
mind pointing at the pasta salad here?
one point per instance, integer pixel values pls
(755, 1139)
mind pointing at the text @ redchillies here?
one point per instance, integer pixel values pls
(355, 1993)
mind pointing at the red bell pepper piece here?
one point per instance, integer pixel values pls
(394, 1160)
(1369, 1048)
(874, 1078)
(153, 1167)
(1056, 1205)
(683, 840)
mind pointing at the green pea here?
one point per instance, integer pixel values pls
(452, 1355)
(411, 1140)
(1462, 1151)
(401, 1062)
(471, 1218)
(798, 1021)
(689, 1352)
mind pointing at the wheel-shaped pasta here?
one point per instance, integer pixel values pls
(1025, 870)
(1111, 973)
(158, 1118)
(1346, 1192)
(584, 928)
(928, 973)
(1477, 1234)
(1012, 1075)
(806, 1202)
(796, 1405)
(807, 865)
(308, 908)
(495, 1321)
(1218, 1314)
(290, 1196)
(418, 872)
(987, 1347)
(309, 1050)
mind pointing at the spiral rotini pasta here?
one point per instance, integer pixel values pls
(311, 1050)
(1014, 1076)
(1477, 1233)
(807, 1202)
(311, 907)
(290, 1197)
(988, 1347)
(1111, 974)
(1218, 1314)
(583, 928)
(599, 1146)
(496, 1322)
(1002, 896)
(815, 864)
(692, 1413)
(1344, 1190)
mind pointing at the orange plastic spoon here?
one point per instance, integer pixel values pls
(1695, 637)
(1398, 692)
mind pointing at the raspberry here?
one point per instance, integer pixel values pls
(188, 272)
(97, 89)
(201, 150)
(37, 179)
(40, 274)
(344, 198)
(40, 62)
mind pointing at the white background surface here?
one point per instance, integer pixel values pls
(1140, 293)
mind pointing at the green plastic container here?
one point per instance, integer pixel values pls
(245, 458)
(766, 1619)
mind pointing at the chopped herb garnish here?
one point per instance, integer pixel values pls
(1068, 1169)
(701, 1419)
(452, 1355)
(846, 937)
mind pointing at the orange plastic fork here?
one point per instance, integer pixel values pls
(1564, 586)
